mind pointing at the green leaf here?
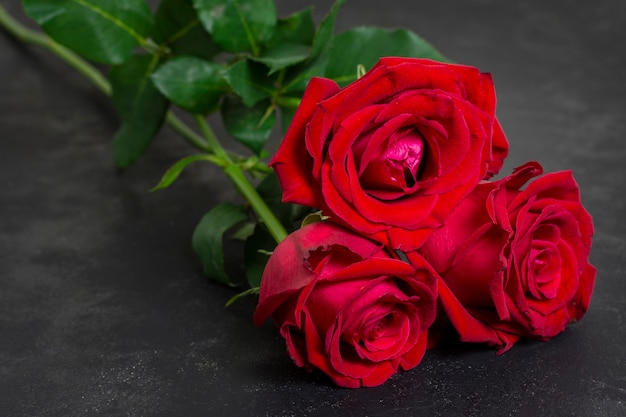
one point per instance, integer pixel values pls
(244, 231)
(296, 28)
(324, 35)
(314, 217)
(175, 170)
(298, 77)
(140, 106)
(238, 25)
(236, 297)
(366, 45)
(250, 126)
(255, 254)
(283, 55)
(207, 240)
(105, 31)
(194, 84)
(177, 26)
(249, 81)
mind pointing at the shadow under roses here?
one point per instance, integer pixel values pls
(449, 345)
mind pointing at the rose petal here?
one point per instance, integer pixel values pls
(286, 271)
(291, 159)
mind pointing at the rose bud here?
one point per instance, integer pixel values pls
(346, 306)
(514, 263)
(393, 153)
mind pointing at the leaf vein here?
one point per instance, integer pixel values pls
(119, 23)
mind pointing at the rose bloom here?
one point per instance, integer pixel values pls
(391, 154)
(514, 263)
(346, 306)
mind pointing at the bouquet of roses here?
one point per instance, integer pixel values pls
(399, 163)
(391, 221)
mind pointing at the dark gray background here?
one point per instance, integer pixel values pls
(103, 306)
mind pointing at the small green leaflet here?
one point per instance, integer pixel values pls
(298, 27)
(175, 170)
(207, 240)
(249, 81)
(193, 84)
(250, 126)
(234, 298)
(238, 25)
(283, 56)
(178, 28)
(324, 35)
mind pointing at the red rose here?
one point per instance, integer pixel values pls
(346, 306)
(393, 153)
(514, 263)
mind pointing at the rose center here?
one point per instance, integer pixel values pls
(385, 334)
(541, 263)
(544, 269)
(379, 329)
(404, 159)
(397, 168)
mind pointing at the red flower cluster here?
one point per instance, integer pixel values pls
(400, 162)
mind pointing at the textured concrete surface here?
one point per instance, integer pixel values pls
(103, 307)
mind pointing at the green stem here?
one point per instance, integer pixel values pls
(232, 170)
(27, 35)
(242, 184)
(186, 132)
(211, 139)
(288, 102)
(30, 36)
(236, 175)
